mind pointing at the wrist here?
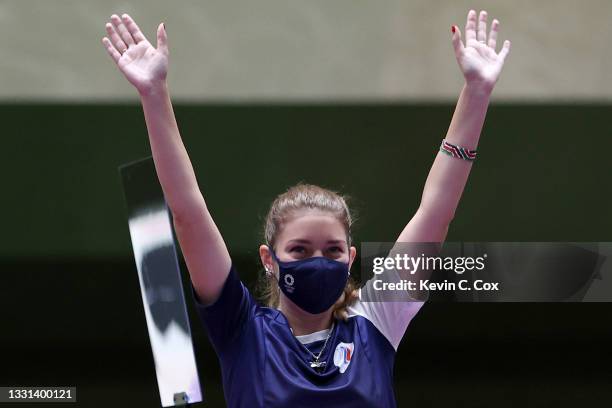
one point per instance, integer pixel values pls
(154, 89)
(478, 89)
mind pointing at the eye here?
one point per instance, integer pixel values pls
(335, 249)
(297, 249)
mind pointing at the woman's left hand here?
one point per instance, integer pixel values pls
(480, 63)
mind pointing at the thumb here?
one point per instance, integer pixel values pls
(505, 50)
(457, 44)
(162, 38)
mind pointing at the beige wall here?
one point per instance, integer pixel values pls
(306, 49)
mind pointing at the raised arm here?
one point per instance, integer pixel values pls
(146, 68)
(481, 66)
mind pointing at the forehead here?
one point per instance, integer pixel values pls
(312, 225)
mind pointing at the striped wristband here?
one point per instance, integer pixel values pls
(457, 151)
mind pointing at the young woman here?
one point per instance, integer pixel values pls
(316, 342)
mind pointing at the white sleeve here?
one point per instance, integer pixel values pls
(390, 317)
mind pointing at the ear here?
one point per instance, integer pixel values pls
(266, 259)
(352, 256)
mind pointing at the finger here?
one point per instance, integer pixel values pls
(482, 27)
(457, 44)
(117, 42)
(470, 26)
(121, 30)
(133, 28)
(162, 38)
(505, 50)
(493, 34)
(112, 51)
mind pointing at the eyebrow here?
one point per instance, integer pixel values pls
(305, 241)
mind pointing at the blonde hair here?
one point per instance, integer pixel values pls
(299, 197)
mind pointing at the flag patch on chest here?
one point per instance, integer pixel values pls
(343, 355)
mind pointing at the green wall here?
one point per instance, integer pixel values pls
(541, 174)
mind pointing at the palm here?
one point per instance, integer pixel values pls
(478, 60)
(141, 63)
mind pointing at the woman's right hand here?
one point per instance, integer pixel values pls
(145, 66)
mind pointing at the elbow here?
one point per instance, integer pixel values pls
(186, 210)
(439, 216)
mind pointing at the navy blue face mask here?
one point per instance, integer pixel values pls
(314, 284)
